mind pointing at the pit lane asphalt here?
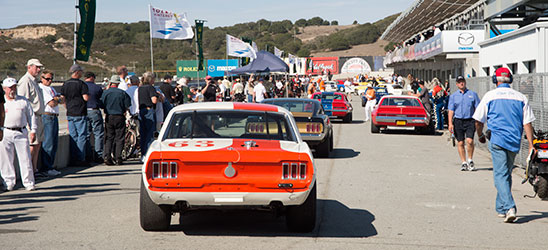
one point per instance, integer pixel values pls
(393, 190)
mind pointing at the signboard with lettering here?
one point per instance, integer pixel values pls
(189, 68)
(217, 68)
(355, 65)
(321, 65)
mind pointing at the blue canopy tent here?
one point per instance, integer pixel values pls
(264, 63)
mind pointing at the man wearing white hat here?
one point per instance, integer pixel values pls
(28, 87)
(19, 114)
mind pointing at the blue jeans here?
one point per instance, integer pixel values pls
(147, 122)
(51, 140)
(95, 126)
(250, 98)
(503, 162)
(78, 133)
(439, 115)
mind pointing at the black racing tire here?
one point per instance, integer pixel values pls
(130, 144)
(348, 118)
(331, 141)
(542, 186)
(323, 148)
(302, 218)
(153, 217)
(375, 129)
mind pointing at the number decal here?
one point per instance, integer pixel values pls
(179, 144)
(204, 144)
(198, 144)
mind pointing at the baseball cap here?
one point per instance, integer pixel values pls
(8, 82)
(115, 79)
(208, 78)
(182, 81)
(133, 79)
(460, 78)
(75, 67)
(503, 75)
(34, 61)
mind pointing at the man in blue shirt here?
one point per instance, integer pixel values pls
(462, 105)
(507, 113)
(116, 102)
(95, 117)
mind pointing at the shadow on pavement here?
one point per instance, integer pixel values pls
(407, 132)
(528, 218)
(343, 153)
(337, 221)
(104, 173)
(41, 195)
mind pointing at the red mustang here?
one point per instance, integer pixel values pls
(401, 111)
(335, 105)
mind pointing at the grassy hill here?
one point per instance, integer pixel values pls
(129, 44)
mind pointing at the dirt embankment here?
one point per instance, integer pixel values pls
(29, 32)
(310, 32)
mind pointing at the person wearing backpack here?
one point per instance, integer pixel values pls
(438, 94)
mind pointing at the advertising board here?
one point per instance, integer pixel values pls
(217, 68)
(189, 68)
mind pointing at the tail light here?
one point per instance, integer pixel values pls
(542, 145)
(294, 171)
(164, 170)
(315, 127)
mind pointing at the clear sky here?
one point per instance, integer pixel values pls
(216, 12)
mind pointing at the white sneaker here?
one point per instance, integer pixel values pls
(30, 188)
(501, 215)
(53, 172)
(464, 166)
(8, 188)
(510, 215)
(471, 165)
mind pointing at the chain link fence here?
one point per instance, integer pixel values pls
(531, 85)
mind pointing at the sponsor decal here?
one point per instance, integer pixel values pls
(320, 65)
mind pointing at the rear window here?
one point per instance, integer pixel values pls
(327, 97)
(230, 124)
(295, 107)
(410, 102)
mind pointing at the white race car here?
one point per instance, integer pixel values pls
(228, 155)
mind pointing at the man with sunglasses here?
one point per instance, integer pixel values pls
(28, 88)
(50, 120)
(462, 105)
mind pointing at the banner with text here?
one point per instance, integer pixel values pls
(85, 30)
(217, 68)
(165, 24)
(189, 68)
(321, 65)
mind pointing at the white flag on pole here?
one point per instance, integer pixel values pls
(239, 48)
(168, 25)
(278, 52)
(291, 58)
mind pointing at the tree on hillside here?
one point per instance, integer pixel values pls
(355, 22)
(325, 22)
(314, 21)
(301, 22)
(334, 22)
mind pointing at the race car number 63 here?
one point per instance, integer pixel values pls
(198, 144)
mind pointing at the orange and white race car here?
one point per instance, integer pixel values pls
(228, 155)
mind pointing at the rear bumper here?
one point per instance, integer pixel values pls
(220, 199)
(313, 139)
(393, 121)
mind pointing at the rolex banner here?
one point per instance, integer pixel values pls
(199, 32)
(85, 30)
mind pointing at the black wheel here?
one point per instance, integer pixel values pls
(348, 118)
(375, 129)
(153, 217)
(302, 218)
(323, 148)
(542, 185)
(331, 141)
(130, 144)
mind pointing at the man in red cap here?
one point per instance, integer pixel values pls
(507, 113)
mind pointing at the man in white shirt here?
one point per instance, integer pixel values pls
(133, 94)
(19, 114)
(124, 79)
(259, 92)
(50, 121)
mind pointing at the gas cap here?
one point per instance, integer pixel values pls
(230, 171)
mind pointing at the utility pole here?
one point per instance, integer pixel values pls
(133, 68)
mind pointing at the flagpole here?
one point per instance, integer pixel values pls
(150, 28)
(77, 7)
(197, 62)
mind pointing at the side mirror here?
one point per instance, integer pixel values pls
(155, 135)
